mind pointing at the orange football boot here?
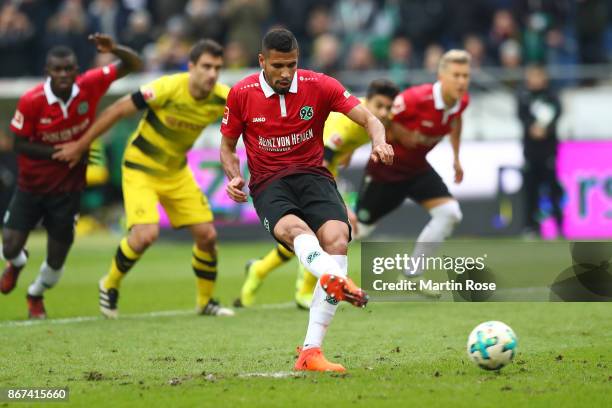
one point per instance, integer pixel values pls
(312, 359)
(340, 288)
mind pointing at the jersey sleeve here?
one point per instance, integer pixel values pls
(232, 125)
(100, 79)
(339, 98)
(404, 107)
(156, 93)
(24, 122)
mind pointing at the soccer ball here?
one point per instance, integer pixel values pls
(491, 345)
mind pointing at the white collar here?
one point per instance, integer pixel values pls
(439, 100)
(52, 98)
(267, 89)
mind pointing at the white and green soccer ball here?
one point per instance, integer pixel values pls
(492, 345)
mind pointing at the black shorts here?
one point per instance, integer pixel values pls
(311, 197)
(377, 199)
(58, 212)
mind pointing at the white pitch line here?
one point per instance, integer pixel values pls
(278, 374)
(135, 316)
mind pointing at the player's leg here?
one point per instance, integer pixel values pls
(60, 214)
(13, 242)
(186, 206)
(309, 252)
(375, 200)
(257, 270)
(140, 199)
(532, 197)
(21, 217)
(304, 287)
(429, 190)
(555, 192)
(204, 264)
(326, 213)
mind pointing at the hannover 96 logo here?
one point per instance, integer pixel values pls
(306, 112)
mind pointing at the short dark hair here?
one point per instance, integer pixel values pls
(60, 51)
(205, 46)
(383, 87)
(279, 39)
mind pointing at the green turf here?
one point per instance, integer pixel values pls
(398, 354)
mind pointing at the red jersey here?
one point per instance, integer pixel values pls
(283, 134)
(420, 109)
(42, 117)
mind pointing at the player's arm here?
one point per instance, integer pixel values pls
(402, 135)
(23, 128)
(128, 105)
(231, 167)
(34, 150)
(455, 138)
(129, 61)
(380, 149)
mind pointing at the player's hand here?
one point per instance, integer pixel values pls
(70, 152)
(458, 172)
(104, 42)
(382, 152)
(234, 190)
(537, 132)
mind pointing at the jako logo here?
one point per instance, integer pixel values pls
(259, 120)
(312, 256)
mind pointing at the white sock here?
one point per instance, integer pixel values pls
(19, 261)
(321, 311)
(313, 257)
(443, 220)
(47, 278)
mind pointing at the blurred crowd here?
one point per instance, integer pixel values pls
(333, 34)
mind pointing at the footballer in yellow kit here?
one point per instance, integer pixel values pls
(341, 137)
(176, 110)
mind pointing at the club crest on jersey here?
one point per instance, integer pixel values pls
(83, 108)
(306, 112)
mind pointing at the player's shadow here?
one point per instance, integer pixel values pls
(589, 279)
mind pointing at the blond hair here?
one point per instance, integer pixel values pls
(454, 57)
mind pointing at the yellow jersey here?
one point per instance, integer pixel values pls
(343, 136)
(171, 124)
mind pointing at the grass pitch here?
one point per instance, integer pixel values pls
(159, 353)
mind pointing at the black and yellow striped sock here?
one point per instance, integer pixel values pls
(271, 261)
(123, 261)
(205, 268)
(307, 283)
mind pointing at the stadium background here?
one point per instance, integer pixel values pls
(357, 41)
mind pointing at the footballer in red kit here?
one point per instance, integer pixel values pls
(56, 111)
(422, 116)
(280, 114)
